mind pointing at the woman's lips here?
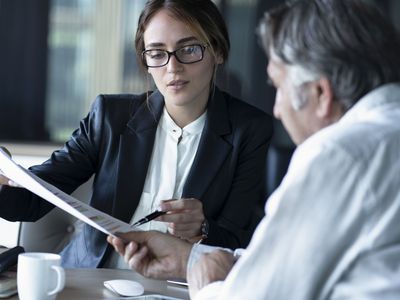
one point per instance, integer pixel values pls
(177, 84)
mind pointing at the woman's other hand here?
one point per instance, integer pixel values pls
(185, 217)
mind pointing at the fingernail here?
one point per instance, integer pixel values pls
(131, 246)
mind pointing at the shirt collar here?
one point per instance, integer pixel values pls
(195, 127)
(371, 104)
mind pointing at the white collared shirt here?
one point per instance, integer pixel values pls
(331, 229)
(168, 169)
(169, 166)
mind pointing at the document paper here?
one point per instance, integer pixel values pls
(78, 209)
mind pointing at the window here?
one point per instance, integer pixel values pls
(58, 55)
(90, 52)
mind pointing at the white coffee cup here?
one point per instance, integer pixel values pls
(39, 276)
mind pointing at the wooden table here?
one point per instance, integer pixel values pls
(88, 284)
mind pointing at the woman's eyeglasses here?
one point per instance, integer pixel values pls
(154, 58)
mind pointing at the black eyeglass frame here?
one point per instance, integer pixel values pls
(170, 53)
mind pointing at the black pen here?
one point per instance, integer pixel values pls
(149, 217)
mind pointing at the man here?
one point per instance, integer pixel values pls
(331, 228)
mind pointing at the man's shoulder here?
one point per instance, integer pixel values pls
(358, 140)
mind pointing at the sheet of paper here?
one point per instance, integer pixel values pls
(79, 209)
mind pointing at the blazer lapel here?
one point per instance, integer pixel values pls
(213, 148)
(135, 149)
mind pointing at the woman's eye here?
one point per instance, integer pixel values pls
(188, 50)
(157, 55)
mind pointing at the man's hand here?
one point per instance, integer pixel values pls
(210, 267)
(184, 216)
(153, 254)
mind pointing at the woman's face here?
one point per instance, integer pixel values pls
(184, 86)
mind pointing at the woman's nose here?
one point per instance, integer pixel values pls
(174, 65)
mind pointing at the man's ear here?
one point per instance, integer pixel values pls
(325, 98)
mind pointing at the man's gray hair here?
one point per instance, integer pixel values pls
(347, 41)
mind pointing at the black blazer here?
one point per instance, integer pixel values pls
(115, 143)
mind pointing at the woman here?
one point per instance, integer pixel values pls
(186, 148)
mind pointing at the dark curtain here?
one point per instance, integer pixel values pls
(23, 56)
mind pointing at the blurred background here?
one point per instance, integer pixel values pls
(57, 55)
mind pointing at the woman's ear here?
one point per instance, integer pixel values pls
(219, 60)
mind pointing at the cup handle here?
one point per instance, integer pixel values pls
(60, 280)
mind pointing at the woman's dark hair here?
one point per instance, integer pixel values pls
(201, 16)
(348, 41)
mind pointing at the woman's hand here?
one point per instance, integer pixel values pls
(184, 216)
(3, 179)
(6, 181)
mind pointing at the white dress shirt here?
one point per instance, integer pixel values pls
(169, 166)
(331, 229)
(172, 158)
